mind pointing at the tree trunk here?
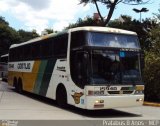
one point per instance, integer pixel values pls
(102, 20)
(113, 5)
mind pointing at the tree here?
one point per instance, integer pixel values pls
(152, 64)
(111, 5)
(8, 36)
(2, 21)
(27, 35)
(157, 16)
(88, 21)
(140, 11)
(49, 30)
(152, 68)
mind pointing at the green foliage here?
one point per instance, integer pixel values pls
(152, 67)
(88, 21)
(8, 36)
(48, 30)
(26, 35)
(2, 21)
(152, 77)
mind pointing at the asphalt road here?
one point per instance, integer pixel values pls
(14, 106)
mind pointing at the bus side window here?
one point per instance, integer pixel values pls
(36, 50)
(46, 48)
(60, 46)
(27, 52)
(15, 55)
(77, 39)
(21, 53)
(30, 56)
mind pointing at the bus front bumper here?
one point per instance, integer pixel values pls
(108, 102)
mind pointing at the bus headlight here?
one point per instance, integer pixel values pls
(99, 104)
(139, 100)
(138, 92)
(99, 101)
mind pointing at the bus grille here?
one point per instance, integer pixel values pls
(120, 92)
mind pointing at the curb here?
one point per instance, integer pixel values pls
(151, 104)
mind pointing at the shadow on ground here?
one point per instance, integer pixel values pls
(109, 113)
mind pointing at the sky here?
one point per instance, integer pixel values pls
(57, 14)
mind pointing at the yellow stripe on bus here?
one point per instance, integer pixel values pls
(28, 79)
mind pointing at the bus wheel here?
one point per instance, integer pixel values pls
(61, 96)
(15, 83)
(19, 86)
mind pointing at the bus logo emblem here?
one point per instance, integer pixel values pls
(76, 97)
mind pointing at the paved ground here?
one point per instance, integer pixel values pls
(14, 106)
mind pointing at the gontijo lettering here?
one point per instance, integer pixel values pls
(24, 66)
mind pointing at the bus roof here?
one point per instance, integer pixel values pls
(103, 29)
(86, 28)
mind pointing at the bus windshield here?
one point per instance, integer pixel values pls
(113, 40)
(115, 67)
(97, 58)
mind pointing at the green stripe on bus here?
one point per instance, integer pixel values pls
(40, 76)
(47, 76)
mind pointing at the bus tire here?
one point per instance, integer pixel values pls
(19, 86)
(61, 96)
(15, 83)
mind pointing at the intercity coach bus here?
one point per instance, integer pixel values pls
(87, 67)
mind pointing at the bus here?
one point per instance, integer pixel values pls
(87, 67)
(4, 67)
